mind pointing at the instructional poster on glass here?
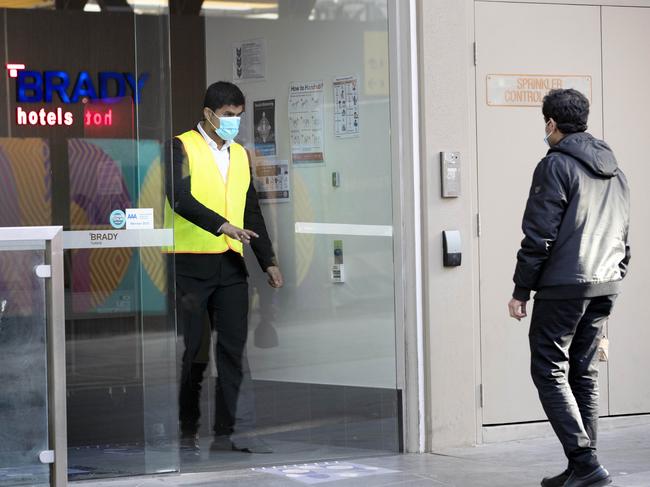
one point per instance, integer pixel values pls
(264, 128)
(271, 179)
(249, 60)
(306, 122)
(346, 107)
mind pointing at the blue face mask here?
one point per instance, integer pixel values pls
(228, 127)
(546, 136)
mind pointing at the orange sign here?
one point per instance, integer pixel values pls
(529, 90)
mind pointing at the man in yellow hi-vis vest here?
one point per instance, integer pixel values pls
(215, 212)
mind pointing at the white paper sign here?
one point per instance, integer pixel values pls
(306, 122)
(139, 218)
(89, 239)
(271, 178)
(346, 106)
(249, 60)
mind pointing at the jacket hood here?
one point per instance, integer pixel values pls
(593, 153)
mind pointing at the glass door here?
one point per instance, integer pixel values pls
(83, 128)
(23, 373)
(322, 349)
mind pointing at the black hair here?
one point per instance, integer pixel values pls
(569, 108)
(223, 93)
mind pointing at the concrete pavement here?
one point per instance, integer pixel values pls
(624, 450)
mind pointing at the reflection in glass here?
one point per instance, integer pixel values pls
(26, 196)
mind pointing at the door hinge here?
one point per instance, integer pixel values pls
(475, 55)
(480, 394)
(43, 271)
(46, 456)
(478, 224)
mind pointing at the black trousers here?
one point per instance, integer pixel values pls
(564, 337)
(224, 295)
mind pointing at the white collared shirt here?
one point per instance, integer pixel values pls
(221, 156)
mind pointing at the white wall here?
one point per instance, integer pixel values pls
(446, 63)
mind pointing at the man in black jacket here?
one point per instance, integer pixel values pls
(574, 254)
(215, 212)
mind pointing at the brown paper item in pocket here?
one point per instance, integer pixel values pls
(603, 349)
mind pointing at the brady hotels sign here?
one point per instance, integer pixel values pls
(61, 87)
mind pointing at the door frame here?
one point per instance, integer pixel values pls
(407, 234)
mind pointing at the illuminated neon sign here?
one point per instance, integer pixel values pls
(47, 86)
(37, 87)
(44, 117)
(13, 69)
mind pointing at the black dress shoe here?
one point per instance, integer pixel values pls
(189, 445)
(250, 444)
(557, 481)
(597, 478)
(247, 444)
(221, 443)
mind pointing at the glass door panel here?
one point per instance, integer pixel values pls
(82, 134)
(23, 366)
(322, 349)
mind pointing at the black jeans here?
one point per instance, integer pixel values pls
(224, 296)
(564, 337)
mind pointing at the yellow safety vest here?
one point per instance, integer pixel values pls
(228, 199)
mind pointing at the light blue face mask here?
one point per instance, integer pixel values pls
(228, 127)
(546, 136)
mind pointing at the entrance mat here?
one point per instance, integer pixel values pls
(318, 473)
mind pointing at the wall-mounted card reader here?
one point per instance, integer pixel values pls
(450, 174)
(338, 270)
(452, 252)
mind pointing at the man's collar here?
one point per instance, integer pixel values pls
(210, 142)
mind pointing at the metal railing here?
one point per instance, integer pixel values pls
(16, 238)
